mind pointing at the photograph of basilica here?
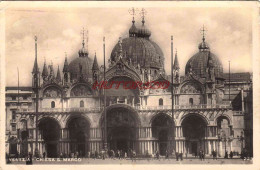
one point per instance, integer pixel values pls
(205, 107)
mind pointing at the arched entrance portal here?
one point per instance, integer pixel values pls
(121, 129)
(78, 134)
(162, 130)
(50, 132)
(194, 132)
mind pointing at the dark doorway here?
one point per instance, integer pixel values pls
(194, 148)
(50, 132)
(163, 141)
(121, 125)
(162, 129)
(79, 134)
(121, 138)
(194, 129)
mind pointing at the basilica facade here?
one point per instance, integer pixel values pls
(73, 116)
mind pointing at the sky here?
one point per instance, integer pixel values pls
(229, 35)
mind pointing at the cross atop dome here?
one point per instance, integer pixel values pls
(143, 13)
(132, 11)
(84, 52)
(203, 30)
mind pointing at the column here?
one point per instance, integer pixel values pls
(220, 148)
(214, 147)
(209, 147)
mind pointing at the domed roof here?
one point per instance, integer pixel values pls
(141, 51)
(144, 32)
(133, 31)
(198, 64)
(81, 65)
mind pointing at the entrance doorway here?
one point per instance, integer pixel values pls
(50, 132)
(79, 134)
(194, 147)
(162, 126)
(194, 130)
(121, 129)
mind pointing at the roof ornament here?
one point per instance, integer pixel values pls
(120, 50)
(83, 38)
(203, 30)
(132, 11)
(143, 13)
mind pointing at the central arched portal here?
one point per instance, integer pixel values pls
(121, 129)
(50, 132)
(162, 130)
(79, 129)
(194, 127)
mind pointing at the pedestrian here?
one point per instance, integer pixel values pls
(166, 155)
(226, 155)
(134, 155)
(200, 155)
(195, 154)
(181, 155)
(177, 156)
(157, 155)
(44, 155)
(203, 155)
(231, 154)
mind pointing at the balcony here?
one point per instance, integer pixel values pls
(184, 107)
(95, 109)
(141, 108)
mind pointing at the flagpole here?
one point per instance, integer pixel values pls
(36, 100)
(229, 80)
(18, 88)
(172, 82)
(105, 113)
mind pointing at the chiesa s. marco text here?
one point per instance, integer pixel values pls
(61, 114)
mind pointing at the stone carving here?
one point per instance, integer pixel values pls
(80, 90)
(191, 88)
(52, 92)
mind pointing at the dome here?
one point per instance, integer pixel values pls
(198, 64)
(141, 51)
(133, 31)
(144, 32)
(81, 64)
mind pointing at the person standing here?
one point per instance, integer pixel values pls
(231, 154)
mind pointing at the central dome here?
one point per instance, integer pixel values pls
(140, 49)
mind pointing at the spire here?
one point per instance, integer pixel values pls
(35, 67)
(45, 70)
(133, 31)
(143, 13)
(143, 31)
(58, 77)
(203, 33)
(66, 65)
(95, 63)
(84, 52)
(203, 46)
(120, 50)
(176, 62)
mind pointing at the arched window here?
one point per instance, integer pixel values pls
(191, 101)
(160, 102)
(81, 103)
(52, 104)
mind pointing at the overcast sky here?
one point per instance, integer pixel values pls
(229, 34)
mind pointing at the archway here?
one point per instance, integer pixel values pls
(79, 128)
(121, 129)
(194, 127)
(162, 130)
(50, 132)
